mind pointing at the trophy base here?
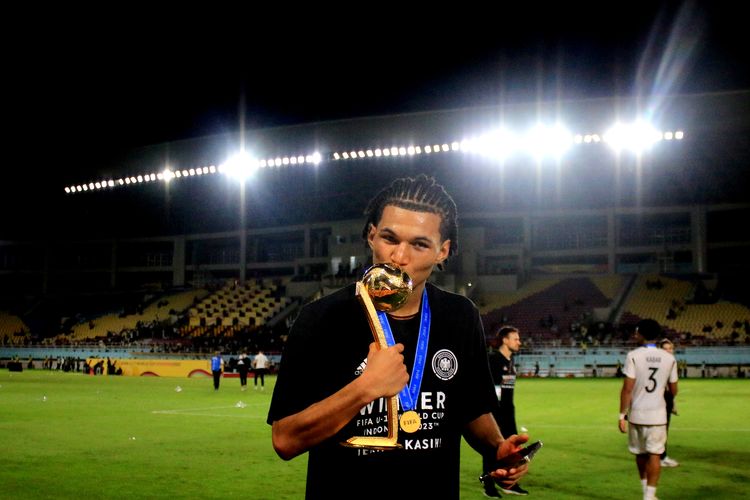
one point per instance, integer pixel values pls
(372, 443)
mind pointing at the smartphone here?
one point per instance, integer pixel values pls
(517, 459)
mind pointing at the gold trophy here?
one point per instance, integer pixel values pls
(382, 288)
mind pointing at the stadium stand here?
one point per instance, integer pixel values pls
(235, 307)
(13, 331)
(549, 311)
(670, 301)
(116, 323)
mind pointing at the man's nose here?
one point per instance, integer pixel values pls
(400, 255)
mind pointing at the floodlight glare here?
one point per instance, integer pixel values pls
(167, 175)
(240, 166)
(498, 144)
(548, 141)
(636, 137)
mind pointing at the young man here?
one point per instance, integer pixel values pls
(243, 365)
(217, 367)
(334, 379)
(260, 367)
(667, 461)
(503, 370)
(643, 411)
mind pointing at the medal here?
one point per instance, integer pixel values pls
(410, 421)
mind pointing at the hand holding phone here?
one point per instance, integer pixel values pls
(514, 460)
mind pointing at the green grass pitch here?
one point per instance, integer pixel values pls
(75, 436)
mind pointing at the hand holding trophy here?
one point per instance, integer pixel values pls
(382, 288)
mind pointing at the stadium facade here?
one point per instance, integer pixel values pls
(678, 207)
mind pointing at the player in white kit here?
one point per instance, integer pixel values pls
(648, 371)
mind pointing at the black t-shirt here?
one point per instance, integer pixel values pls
(496, 366)
(507, 381)
(327, 348)
(243, 365)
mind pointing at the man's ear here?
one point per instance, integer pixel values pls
(371, 235)
(445, 249)
(442, 255)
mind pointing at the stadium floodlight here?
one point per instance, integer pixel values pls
(167, 175)
(635, 137)
(541, 142)
(240, 166)
(544, 141)
(498, 144)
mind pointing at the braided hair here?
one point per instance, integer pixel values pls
(420, 194)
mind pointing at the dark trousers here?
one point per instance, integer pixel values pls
(243, 378)
(217, 379)
(260, 372)
(670, 405)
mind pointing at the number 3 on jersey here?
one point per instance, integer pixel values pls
(652, 380)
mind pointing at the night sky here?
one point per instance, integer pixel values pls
(83, 87)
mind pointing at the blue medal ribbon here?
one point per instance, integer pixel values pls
(409, 394)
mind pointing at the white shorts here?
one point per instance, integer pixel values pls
(647, 439)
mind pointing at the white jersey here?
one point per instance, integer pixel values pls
(652, 368)
(260, 362)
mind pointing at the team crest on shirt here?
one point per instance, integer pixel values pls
(444, 364)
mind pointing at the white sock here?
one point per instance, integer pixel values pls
(650, 492)
(643, 485)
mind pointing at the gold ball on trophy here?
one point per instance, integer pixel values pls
(388, 286)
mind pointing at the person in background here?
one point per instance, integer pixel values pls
(643, 411)
(503, 370)
(667, 461)
(260, 367)
(217, 367)
(243, 365)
